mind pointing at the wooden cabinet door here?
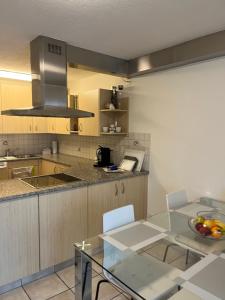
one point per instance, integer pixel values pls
(101, 198)
(51, 125)
(89, 101)
(40, 125)
(3, 173)
(134, 191)
(19, 239)
(63, 221)
(16, 94)
(48, 167)
(62, 125)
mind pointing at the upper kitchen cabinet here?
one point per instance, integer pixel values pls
(16, 94)
(97, 101)
(58, 125)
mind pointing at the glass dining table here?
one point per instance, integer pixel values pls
(121, 255)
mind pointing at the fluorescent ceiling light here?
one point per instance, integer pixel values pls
(15, 75)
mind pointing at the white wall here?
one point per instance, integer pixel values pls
(184, 110)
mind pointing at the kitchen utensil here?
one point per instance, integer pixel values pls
(118, 129)
(54, 147)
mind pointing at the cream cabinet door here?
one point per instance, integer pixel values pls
(63, 221)
(49, 167)
(134, 191)
(62, 125)
(101, 198)
(40, 125)
(19, 239)
(16, 94)
(51, 124)
(89, 101)
(59, 125)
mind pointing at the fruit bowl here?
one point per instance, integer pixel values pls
(208, 224)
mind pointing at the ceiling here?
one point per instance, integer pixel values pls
(121, 28)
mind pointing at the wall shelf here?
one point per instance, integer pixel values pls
(114, 133)
(113, 110)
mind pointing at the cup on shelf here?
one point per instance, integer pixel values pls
(105, 129)
(118, 129)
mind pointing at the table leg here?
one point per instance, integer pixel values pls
(83, 276)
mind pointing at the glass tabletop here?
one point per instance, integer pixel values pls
(121, 252)
(134, 271)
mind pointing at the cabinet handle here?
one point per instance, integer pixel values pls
(116, 190)
(80, 127)
(123, 188)
(36, 128)
(30, 128)
(67, 127)
(55, 170)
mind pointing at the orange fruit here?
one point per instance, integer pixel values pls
(215, 232)
(209, 223)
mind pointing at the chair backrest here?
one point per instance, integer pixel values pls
(118, 217)
(176, 199)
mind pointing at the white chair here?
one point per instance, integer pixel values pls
(174, 201)
(111, 220)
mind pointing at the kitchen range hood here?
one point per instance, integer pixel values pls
(49, 82)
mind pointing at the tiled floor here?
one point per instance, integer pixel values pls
(60, 285)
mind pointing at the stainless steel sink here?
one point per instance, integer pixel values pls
(5, 158)
(49, 180)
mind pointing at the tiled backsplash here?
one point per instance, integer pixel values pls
(25, 143)
(86, 146)
(81, 146)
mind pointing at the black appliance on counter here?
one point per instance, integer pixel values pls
(103, 157)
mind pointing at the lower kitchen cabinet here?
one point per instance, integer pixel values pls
(101, 198)
(107, 196)
(49, 167)
(63, 221)
(134, 191)
(19, 239)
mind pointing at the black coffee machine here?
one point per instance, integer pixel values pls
(103, 157)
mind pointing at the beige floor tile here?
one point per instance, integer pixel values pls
(45, 288)
(68, 276)
(67, 295)
(173, 253)
(120, 297)
(180, 262)
(107, 291)
(16, 294)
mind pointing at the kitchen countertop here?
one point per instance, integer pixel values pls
(79, 167)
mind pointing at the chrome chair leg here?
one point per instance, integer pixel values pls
(187, 256)
(98, 287)
(166, 251)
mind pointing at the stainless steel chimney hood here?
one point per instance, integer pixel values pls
(49, 82)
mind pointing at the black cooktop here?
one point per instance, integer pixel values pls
(49, 180)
